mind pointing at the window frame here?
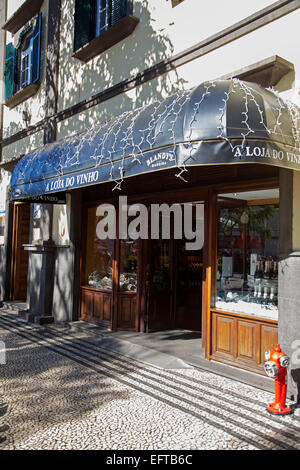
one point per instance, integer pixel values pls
(20, 89)
(87, 44)
(24, 54)
(214, 256)
(98, 17)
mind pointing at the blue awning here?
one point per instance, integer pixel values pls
(218, 122)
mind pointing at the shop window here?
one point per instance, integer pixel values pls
(128, 265)
(99, 24)
(99, 255)
(22, 65)
(247, 257)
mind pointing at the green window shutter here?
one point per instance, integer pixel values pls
(84, 22)
(9, 72)
(36, 50)
(118, 10)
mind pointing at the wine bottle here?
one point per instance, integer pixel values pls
(266, 269)
(271, 270)
(256, 274)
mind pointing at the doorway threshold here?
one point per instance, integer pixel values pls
(14, 305)
(170, 349)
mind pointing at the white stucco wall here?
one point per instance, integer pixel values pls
(162, 32)
(193, 21)
(277, 38)
(4, 182)
(23, 146)
(4, 175)
(12, 6)
(61, 223)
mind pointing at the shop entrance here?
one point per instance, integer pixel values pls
(19, 265)
(188, 287)
(148, 284)
(160, 285)
(175, 283)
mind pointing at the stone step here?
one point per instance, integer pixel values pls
(14, 306)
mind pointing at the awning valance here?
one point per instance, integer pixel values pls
(218, 122)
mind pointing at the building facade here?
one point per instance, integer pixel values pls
(160, 102)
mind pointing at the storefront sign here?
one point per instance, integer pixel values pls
(56, 198)
(161, 159)
(266, 153)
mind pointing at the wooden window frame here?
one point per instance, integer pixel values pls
(260, 325)
(22, 92)
(23, 14)
(107, 39)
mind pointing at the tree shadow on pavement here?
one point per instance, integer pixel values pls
(3, 427)
(45, 390)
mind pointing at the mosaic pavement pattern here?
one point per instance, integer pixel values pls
(64, 392)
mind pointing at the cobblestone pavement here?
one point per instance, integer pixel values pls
(64, 392)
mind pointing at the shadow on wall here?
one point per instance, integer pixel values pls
(78, 81)
(63, 285)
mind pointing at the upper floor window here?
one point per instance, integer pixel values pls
(93, 17)
(25, 62)
(99, 24)
(102, 16)
(22, 64)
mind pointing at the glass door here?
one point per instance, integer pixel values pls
(188, 258)
(128, 284)
(189, 277)
(160, 285)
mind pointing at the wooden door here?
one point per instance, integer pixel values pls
(96, 306)
(160, 285)
(21, 230)
(188, 282)
(127, 284)
(127, 311)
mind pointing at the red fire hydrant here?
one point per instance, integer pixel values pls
(275, 367)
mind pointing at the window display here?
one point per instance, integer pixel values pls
(99, 255)
(247, 261)
(128, 265)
